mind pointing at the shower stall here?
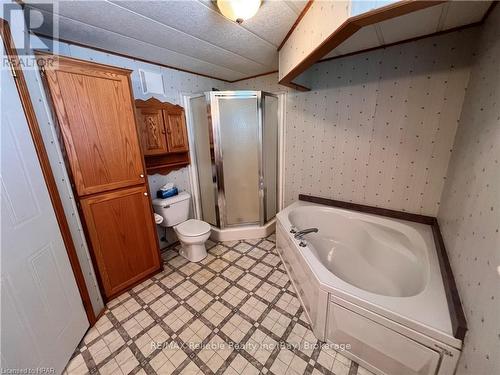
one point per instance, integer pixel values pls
(235, 140)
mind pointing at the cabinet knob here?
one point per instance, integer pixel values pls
(141, 176)
(146, 194)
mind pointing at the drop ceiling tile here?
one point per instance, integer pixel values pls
(203, 22)
(274, 31)
(111, 17)
(99, 38)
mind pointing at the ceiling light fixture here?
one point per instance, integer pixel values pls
(238, 10)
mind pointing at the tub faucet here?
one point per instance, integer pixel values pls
(301, 233)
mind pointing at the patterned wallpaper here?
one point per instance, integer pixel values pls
(470, 210)
(378, 128)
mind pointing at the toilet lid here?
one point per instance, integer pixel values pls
(193, 227)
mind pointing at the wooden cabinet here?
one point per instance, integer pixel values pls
(152, 131)
(175, 125)
(95, 114)
(123, 237)
(97, 124)
(162, 127)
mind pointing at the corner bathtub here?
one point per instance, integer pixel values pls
(373, 283)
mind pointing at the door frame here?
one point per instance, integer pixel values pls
(48, 176)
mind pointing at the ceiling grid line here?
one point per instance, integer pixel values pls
(141, 41)
(188, 35)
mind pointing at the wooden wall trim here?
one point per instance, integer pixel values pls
(400, 215)
(44, 57)
(351, 26)
(61, 40)
(457, 316)
(295, 86)
(98, 49)
(295, 24)
(46, 169)
(490, 9)
(254, 76)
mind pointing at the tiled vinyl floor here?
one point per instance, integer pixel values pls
(233, 313)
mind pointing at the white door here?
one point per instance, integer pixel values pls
(42, 315)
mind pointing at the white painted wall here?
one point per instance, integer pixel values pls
(470, 211)
(378, 127)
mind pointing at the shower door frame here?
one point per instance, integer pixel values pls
(194, 172)
(263, 201)
(218, 175)
(214, 120)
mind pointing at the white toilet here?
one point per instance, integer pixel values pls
(191, 233)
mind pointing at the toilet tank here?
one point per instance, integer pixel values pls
(174, 210)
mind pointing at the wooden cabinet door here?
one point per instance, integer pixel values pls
(152, 131)
(175, 125)
(123, 237)
(94, 108)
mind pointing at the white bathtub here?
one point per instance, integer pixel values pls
(373, 283)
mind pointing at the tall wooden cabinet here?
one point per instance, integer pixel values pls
(94, 108)
(163, 133)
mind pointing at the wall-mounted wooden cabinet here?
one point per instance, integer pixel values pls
(152, 131)
(163, 132)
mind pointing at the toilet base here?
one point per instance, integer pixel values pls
(193, 252)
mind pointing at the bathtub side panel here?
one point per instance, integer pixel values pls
(379, 347)
(313, 300)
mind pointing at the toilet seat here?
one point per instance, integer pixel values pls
(193, 228)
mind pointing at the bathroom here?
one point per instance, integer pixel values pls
(282, 187)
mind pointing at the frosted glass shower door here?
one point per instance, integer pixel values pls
(270, 154)
(203, 145)
(238, 132)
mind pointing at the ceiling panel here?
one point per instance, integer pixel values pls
(113, 42)
(274, 31)
(204, 22)
(190, 35)
(111, 17)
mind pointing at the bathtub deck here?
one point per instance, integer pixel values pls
(239, 294)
